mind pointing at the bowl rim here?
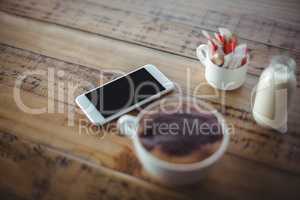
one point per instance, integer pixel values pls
(186, 166)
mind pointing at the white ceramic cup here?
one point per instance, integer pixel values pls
(172, 174)
(219, 77)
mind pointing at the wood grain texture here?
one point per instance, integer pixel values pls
(113, 151)
(34, 171)
(175, 26)
(258, 161)
(250, 140)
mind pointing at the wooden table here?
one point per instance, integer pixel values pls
(54, 50)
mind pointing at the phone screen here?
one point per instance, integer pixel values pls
(124, 92)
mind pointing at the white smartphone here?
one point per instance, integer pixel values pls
(124, 94)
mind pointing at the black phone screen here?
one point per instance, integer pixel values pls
(124, 92)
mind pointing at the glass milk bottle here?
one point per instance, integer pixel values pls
(274, 91)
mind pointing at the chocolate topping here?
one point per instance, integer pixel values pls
(179, 134)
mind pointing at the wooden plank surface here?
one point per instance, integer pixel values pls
(174, 26)
(39, 172)
(262, 157)
(62, 176)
